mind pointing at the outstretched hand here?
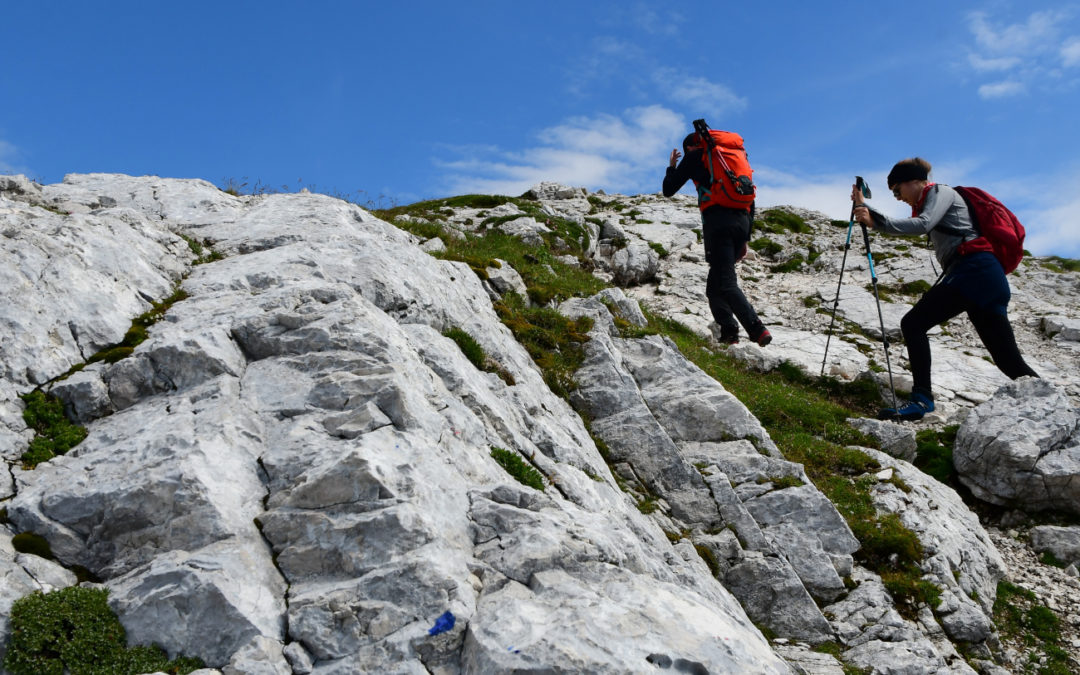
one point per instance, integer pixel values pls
(675, 155)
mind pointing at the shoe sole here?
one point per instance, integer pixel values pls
(765, 340)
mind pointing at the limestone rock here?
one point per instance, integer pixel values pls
(1022, 448)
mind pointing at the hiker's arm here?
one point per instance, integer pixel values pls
(677, 176)
(934, 209)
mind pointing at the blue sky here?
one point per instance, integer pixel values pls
(391, 103)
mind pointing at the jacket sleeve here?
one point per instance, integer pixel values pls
(676, 177)
(934, 209)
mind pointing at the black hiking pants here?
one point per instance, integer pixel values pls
(943, 302)
(725, 231)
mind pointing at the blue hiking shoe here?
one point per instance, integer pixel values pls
(913, 410)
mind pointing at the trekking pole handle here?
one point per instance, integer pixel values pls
(863, 186)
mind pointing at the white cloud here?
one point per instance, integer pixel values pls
(626, 153)
(1039, 29)
(1001, 89)
(1029, 52)
(9, 156)
(698, 93)
(983, 64)
(1070, 52)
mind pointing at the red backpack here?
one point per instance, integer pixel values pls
(1000, 232)
(731, 180)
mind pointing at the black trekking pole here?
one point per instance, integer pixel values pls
(877, 299)
(861, 184)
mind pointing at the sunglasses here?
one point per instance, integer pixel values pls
(896, 192)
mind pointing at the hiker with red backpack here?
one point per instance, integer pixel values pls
(975, 254)
(716, 162)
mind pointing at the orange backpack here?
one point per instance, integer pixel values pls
(731, 180)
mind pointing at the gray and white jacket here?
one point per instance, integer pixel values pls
(944, 216)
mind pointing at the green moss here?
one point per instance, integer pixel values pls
(1059, 265)
(555, 342)
(766, 246)
(710, 559)
(778, 221)
(660, 250)
(54, 433)
(138, 332)
(522, 471)
(34, 544)
(74, 631)
(476, 354)
(933, 454)
(790, 265)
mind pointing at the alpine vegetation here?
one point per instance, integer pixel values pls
(498, 434)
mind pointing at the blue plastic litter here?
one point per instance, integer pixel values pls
(442, 624)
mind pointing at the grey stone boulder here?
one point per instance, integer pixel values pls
(1061, 542)
(897, 440)
(634, 264)
(1022, 448)
(192, 603)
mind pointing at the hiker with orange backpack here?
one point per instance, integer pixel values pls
(975, 258)
(716, 162)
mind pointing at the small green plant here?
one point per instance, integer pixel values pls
(54, 433)
(781, 482)
(1059, 265)
(710, 559)
(660, 250)
(1022, 620)
(778, 221)
(795, 262)
(766, 246)
(74, 631)
(517, 467)
(933, 454)
(476, 354)
(137, 334)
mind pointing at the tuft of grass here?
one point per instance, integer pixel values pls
(1057, 264)
(522, 471)
(54, 433)
(766, 246)
(933, 454)
(476, 354)
(555, 342)
(138, 332)
(795, 262)
(1020, 619)
(74, 631)
(660, 250)
(778, 221)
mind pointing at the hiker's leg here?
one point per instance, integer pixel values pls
(735, 229)
(937, 306)
(719, 257)
(996, 333)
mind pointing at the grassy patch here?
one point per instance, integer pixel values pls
(1060, 265)
(555, 342)
(522, 471)
(54, 434)
(766, 246)
(660, 250)
(74, 631)
(790, 265)
(934, 453)
(778, 221)
(1022, 621)
(476, 354)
